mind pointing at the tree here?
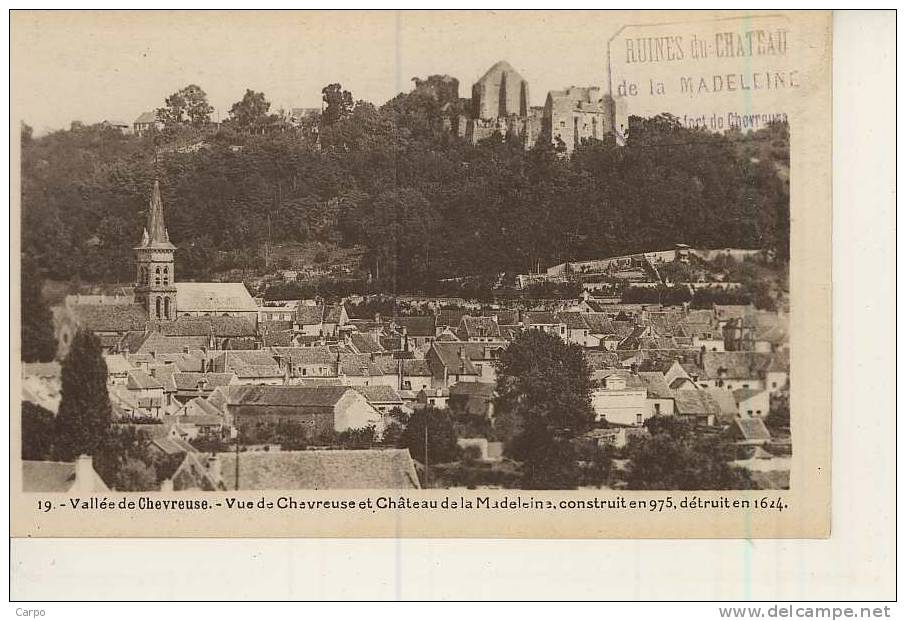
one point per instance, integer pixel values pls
(338, 103)
(543, 404)
(38, 341)
(188, 105)
(441, 438)
(84, 416)
(251, 112)
(674, 457)
(125, 463)
(37, 432)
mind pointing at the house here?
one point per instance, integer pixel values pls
(198, 418)
(362, 370)
(320, 319)
(726, 403)
(544, 321)
(450, 364)
(749, 431)
(193, 471)
(474, 398)
(577, 329)
(301, 364)
(659, 393)
(117, 368)
(752, 402)
(620, 398)
(367, 469)
(323, 410)
(478, 329)
(382, 398)
(191, 385)
(255, 367)
(416, 331)
(148, 391)
(77, 477)
(365, 343)
(696, 406)
(146, 123)
(282, 310)
(742, 369)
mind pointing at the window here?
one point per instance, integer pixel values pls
(657, 409)
(304, 371)
(166, 276)
(745, 385)
(166, 307)
(157, 305)
(157, 279)
(773, 384)
(749, 412)
(638, 419)
(758, 412)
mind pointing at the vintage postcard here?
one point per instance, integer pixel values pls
(517, 274)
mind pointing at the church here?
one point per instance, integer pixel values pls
(158, 304)
(156, 288)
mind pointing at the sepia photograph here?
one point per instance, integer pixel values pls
(475, 268)
(486, 280)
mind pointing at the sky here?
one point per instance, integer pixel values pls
(95, 66)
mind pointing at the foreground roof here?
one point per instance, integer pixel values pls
(354, 469)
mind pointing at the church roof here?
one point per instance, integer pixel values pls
(155, 233)
(213, 297)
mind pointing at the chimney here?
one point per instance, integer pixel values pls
(84, 475)
(166, 485)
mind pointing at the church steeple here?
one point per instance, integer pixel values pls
(155, 275)
(155, 234)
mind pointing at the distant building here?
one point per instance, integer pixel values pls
(577, 113)
(500, 104)
(146, 122)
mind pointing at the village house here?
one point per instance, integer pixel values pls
(191, 385)
(301, 364)
(320, 319)
(322, 410)
(620, 398)
(478, 329)
(253, 367)
(544, 321)
(417, 332)
(752, 402)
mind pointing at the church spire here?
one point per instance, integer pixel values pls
(156, 235)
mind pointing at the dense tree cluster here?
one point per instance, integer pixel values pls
(543, 404)
(675, 457)
(424, 204)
